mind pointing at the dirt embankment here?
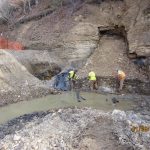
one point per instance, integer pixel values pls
(17, 83)
(75, 35)
(84, 30)
(89, 35)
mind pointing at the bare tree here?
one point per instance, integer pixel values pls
(4, 10)
(27, 5)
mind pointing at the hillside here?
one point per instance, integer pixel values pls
(73, 31)
(40, 41)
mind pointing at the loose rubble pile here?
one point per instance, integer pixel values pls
(131, 129)
(76, 129)
(16, 83)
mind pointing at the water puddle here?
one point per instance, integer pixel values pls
(68, 99)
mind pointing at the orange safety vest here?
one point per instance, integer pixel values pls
(121, 75)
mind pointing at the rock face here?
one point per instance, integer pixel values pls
(77, 34)
(17, 81)
(137, 21)
(81, 41)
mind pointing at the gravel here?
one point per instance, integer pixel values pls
(74, 128)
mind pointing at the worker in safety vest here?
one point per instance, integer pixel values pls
(72, 78)
(92, 80)
(121, 77)
(77, 89)
(76, 84)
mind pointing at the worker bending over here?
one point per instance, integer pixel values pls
(92, 80)
(121, 77)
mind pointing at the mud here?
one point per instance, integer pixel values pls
(111, 85)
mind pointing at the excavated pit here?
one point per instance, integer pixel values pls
(45, 70)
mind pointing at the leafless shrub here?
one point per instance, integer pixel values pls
(4, 10)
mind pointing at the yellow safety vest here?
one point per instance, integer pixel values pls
(72, 75)
(92, 76)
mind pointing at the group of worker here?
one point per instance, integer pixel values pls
(73, 78)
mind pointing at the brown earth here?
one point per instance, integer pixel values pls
(90, 36)
(75, 36)
(16, 83)
(110, 56)
(72, 36)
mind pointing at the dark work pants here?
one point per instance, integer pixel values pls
(72, 84)
(78, 96)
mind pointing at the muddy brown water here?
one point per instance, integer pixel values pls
(67, 99)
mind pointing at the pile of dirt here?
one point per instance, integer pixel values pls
(16, 83)
(73, 129)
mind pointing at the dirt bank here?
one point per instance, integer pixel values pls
(111, 85)
(21, 71)
(88, 35)
(100, 36)
(16, 83)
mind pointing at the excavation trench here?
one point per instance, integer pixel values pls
(109, 39)
(45, 70)
(23, 117)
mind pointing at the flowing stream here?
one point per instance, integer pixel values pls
(67, 99)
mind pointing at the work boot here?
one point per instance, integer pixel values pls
(79, 100)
